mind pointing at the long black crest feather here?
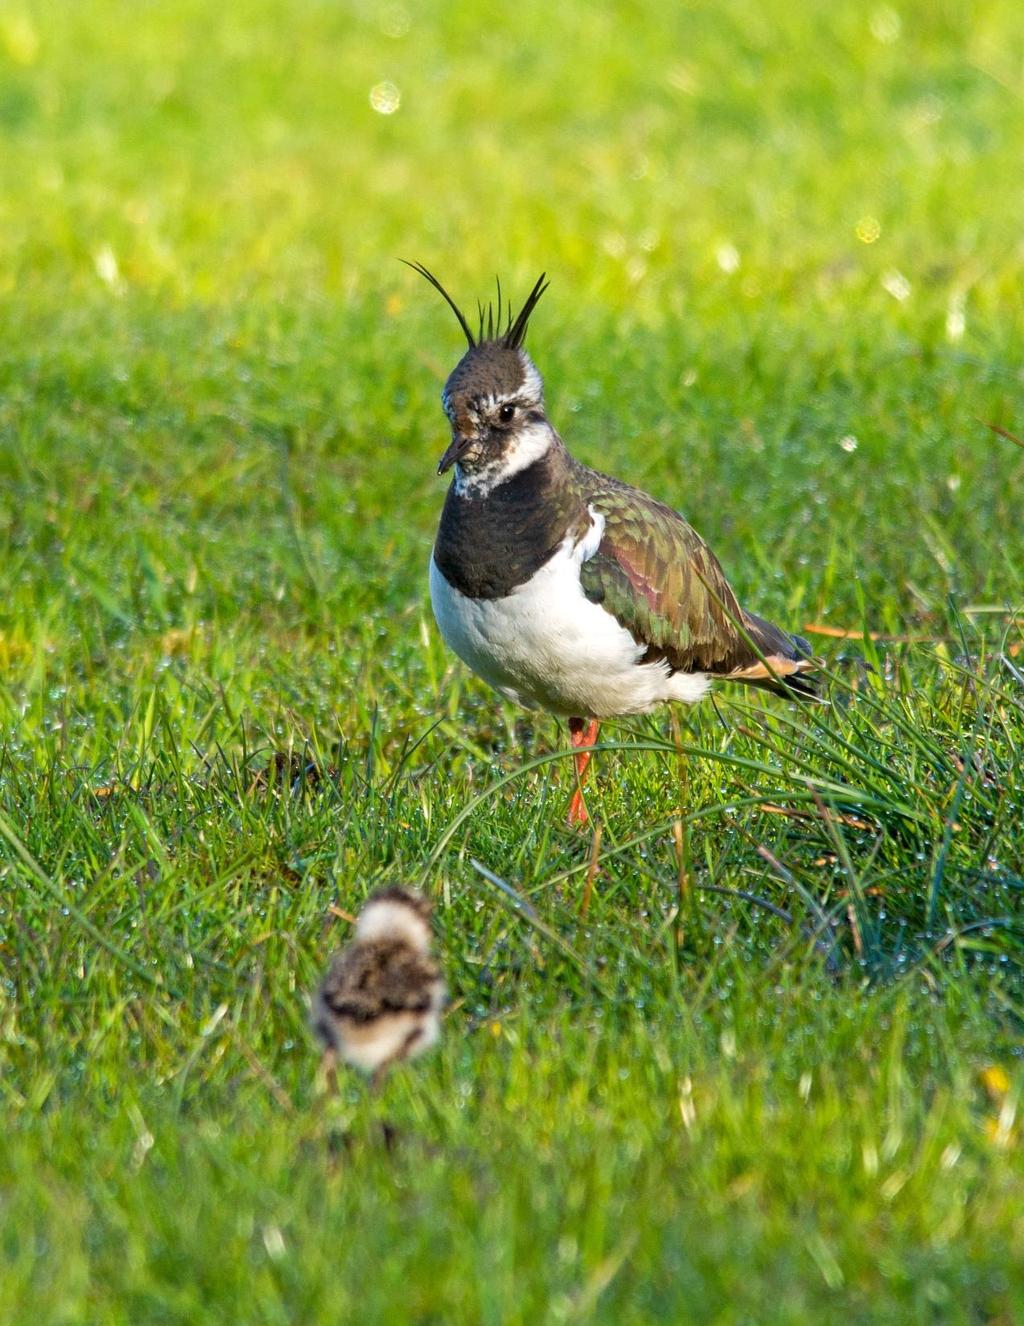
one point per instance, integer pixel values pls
(429, 276)
(516, 333)
(490, 325)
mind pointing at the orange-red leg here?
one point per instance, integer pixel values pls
(581, 734)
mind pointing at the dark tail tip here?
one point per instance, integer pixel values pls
(801, 686)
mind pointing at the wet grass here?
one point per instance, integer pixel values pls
(753, 1054)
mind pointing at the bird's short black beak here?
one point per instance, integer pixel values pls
(460, 444)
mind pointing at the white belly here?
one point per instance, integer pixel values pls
(547, 646)
(369, 1046)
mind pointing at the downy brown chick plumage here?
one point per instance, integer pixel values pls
(381, 999)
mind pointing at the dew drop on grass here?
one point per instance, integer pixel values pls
(385, 97)
(395, 22)
(956, 318)
(896, 284)
(886, 25)
(868, 229)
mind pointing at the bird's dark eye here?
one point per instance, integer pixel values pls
(506, 412)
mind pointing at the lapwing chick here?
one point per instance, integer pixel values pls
(563, 588)
(381, 999)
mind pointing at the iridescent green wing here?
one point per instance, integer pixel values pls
(661, 581)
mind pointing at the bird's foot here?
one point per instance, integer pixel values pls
(582, 735)
(577, 817)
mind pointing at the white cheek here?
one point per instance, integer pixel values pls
(530, 445)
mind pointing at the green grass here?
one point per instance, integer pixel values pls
(785, 252)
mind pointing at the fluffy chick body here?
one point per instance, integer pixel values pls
(382, 996)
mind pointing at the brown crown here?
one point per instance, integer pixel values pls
(407, 897)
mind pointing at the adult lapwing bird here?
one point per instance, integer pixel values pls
(563, 588)
(382, 996)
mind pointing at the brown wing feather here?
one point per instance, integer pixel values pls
(661, 581)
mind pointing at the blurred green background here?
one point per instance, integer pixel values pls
(785, 247)
(651, 158)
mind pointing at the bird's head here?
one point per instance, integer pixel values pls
(397, 914)
(494, 396)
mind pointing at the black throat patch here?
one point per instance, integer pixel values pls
(487, 546)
